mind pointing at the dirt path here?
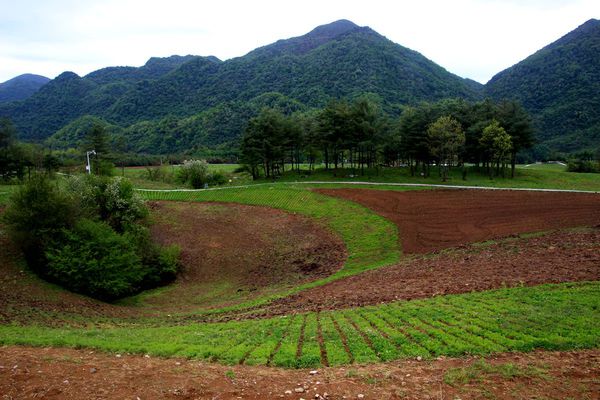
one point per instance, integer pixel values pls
(562, 256)
(30, 373)
(435, 220)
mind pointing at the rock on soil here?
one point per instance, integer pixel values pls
(42, 373)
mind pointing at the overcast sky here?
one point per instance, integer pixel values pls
(471, 38)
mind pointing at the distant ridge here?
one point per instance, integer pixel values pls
(21, 87)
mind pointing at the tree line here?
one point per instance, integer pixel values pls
(358, 134)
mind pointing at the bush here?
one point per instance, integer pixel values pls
(579, 165)
(89, 237)
(193, 173)
(113, 200)
(159, 174)
(161, 264)
(37, 213)
(93, 259)
(217, 178)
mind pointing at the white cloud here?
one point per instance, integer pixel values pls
(472, 38)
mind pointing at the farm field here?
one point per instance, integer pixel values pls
(364, 277)
(430, 221)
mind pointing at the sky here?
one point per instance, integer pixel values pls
(472, 38)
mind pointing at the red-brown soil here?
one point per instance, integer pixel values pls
(434, 220)
(42, 373)
(255, 246)
(248, 248)
(561, 256)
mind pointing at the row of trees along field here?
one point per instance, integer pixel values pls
(359, 134)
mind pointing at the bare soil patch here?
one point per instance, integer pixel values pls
(240, 249)
(434, 220)
(45, 373)
(561, 256)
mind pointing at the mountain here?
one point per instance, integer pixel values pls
(21, 87)
(69, 96)
(335, 60)
(560, 86)
(332, 61)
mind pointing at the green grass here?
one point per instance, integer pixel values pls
(553, 317)
(537, 176)
(545, 167)
(139, 176)
(542, 177)
(5, 192)
(480, 370)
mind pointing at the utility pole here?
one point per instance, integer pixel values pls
(88, 167)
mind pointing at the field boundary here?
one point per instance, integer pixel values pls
(432, 185)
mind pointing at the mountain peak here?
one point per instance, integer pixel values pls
(303, 44)
(333, 29)
(21, 87)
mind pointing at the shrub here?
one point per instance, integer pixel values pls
(160, 264)
(89, 237)
(113, 200)
(37, 213)
(93, 259)
(578, 165)
(193, 173)
(217, 178)
(156, 174)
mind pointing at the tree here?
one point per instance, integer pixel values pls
(97, 139)
(497, 145)
(365, 127)
(7, 148)
(517, 123)
(412, 127)
(264, 142)
(36, 215)
(445, 139)
(87, 234)
(335, 126)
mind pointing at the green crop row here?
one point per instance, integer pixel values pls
(556, 317)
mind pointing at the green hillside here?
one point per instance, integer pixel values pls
(21, 87)
(332, 61)
(560, 86)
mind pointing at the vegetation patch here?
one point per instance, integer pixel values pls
(553, 317)
(482, 370)
(87, 236)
